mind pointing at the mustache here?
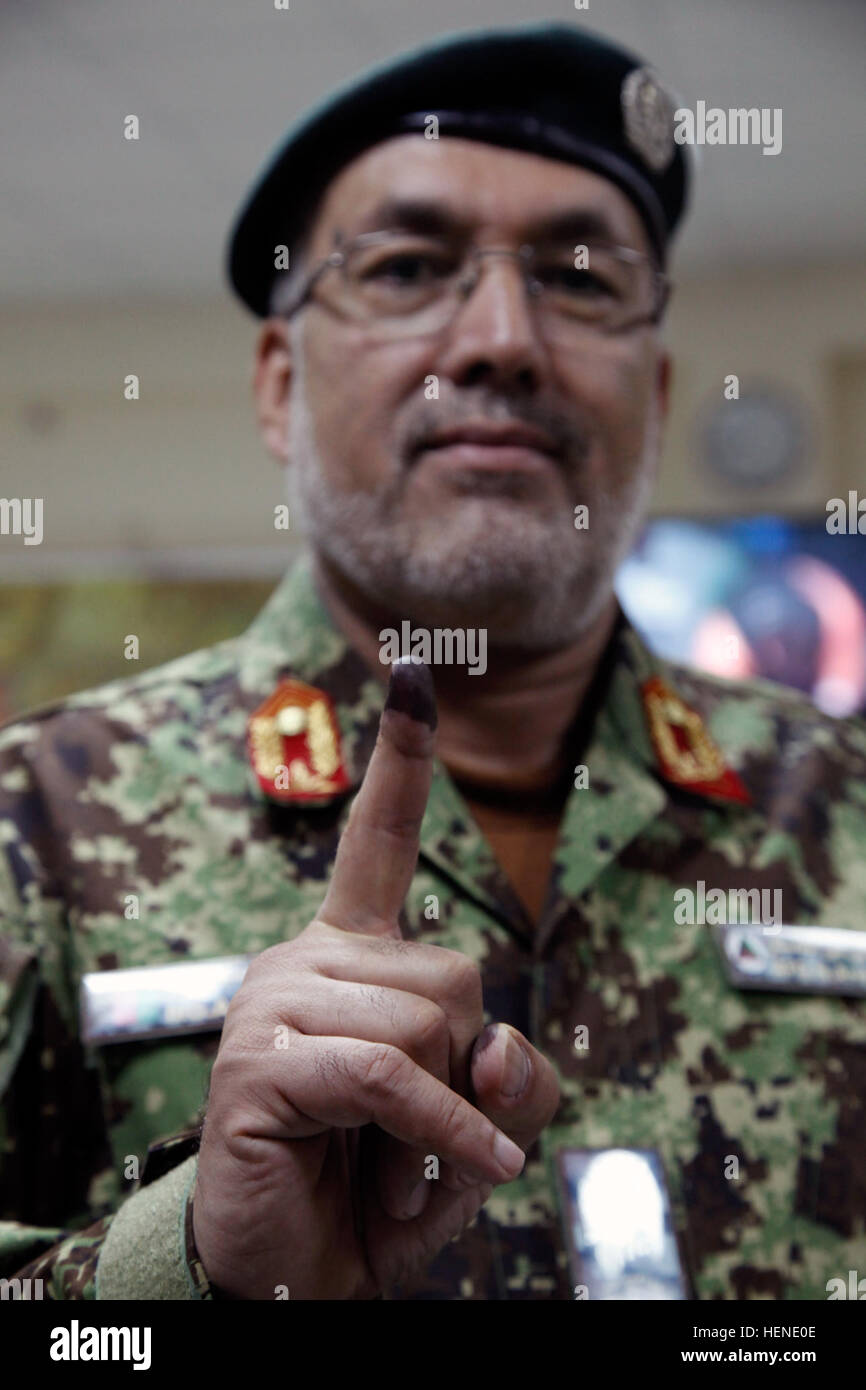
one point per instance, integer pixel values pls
(569, 440)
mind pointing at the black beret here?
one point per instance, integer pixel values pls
(551, 89)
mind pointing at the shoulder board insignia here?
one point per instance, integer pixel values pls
(686, 754)
(295, 746)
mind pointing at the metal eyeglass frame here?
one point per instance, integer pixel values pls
(339, 257)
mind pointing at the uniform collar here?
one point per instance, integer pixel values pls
(295, 633)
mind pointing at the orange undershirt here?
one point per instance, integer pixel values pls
(522, 832)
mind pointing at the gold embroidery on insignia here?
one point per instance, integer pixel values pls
(701, 761)
(267, 746)
(294, 745)
(301, 779)
(324, 754)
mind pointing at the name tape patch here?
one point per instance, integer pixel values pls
(159, 1000)
(796, 960)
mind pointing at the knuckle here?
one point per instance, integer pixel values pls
(390, 944)
(464, 979)
(387, 932)
(380, 1068)
(431, 1032)
(273, 963)
(317, 935)
(381, 1000)
(334, 1071)
(268, 960)
(456, 1118)
(228, 1074)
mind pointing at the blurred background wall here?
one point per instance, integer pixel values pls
(158, 513)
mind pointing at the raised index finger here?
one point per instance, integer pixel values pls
(378, 849)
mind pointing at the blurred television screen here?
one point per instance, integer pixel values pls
(755, 597)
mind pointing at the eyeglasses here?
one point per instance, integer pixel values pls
(406, 285)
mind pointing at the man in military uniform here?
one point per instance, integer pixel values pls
(464, 371)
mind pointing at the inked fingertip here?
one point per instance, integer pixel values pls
(410, 691)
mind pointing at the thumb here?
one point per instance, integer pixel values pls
(514, 1084)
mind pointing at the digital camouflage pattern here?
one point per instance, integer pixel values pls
(143, 787)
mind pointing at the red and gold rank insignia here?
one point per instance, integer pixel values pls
(295, 745)
(687, 755)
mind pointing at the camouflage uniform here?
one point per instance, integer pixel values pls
(144, 787)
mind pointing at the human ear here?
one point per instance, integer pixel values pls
(272, 375)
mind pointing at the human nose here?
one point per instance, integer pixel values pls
(493, 331)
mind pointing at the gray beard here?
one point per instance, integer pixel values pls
(531, 580)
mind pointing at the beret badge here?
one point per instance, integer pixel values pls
(648, 118)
